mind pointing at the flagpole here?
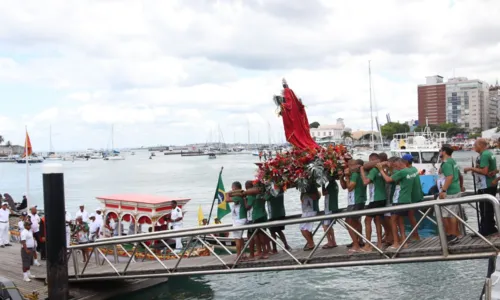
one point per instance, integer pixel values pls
(215, 196)
(27, 166)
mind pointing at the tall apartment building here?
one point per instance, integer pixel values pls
(468, 105)
(432, 101)
(494, 95)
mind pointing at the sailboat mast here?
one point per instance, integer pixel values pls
(371, 105)
(248, 134)
(27, 165)
(50, 138)
(112, 137)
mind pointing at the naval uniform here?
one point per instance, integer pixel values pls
(4, 227)
(177, 213)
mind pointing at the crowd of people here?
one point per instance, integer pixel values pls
(379, 182)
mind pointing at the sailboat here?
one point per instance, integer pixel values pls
(52, 155)
(115, 155)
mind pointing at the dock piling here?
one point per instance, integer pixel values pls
(55, 218)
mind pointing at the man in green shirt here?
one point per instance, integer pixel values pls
(417, 195)
(484, 181)
(331, 193)
(276, 212)
(356, 198)
(376, 198)
(404, 178)
(450, 190)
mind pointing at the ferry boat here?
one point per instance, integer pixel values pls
(424, 146)
(136, 214)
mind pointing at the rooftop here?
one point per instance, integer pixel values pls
(137, 198)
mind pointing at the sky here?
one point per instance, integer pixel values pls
(173, 72)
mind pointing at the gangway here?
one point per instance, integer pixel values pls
(102, 266)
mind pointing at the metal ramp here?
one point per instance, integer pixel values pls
(102, 266)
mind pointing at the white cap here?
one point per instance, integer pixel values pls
(33, 206)
(5, 203)
(81, 204)
(92, 216)
(98, 209)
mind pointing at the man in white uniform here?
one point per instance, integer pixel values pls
(82, 213)
(94, 228)
(4, 225)
(99, 219)
(176, 219)
(27, 251)
(35, 227)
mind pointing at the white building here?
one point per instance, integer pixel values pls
(494, 95)
(468, 104)
(334, 132)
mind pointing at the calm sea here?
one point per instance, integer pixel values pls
(196, 178)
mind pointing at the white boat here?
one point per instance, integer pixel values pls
(115, 155)
(212, 156)
(132, 153)
(96, 156)
(255, 153)
(423, 146)
(31, 160)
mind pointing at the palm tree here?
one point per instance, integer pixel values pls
(346, 135)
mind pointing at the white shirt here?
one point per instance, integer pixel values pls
(4, 215)
(84, 215)
(20, 224)
(93, 226)
(27, 236)
(68, 218)
(99, 219)
(176, 213)
(35, 222)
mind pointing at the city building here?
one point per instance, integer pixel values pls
(494, 98)
(468, 105)
(432, 100)
(333, 132)
(11, 150)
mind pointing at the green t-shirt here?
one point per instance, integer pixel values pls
(487, 159)
(259, 208)
(275, 206)
(450, 168)
(417, 195)
(251, 203)
(316, 205)
(377, 187)
(239, 207)
(332, 199)
(358, 195)
(404, 179)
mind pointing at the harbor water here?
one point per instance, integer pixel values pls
(196, 178)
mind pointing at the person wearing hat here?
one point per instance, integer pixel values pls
(4, 225)
(35, 228)
(82, 213)
(99, 219)
(27, 251)
(94, 228)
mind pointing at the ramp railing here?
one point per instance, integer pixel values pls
(121, 266)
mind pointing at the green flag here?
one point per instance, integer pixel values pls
(223, 207)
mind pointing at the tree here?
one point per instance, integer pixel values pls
(346, 135)
(9, 144)
(1, 139)
(391, 128)
(314, 125)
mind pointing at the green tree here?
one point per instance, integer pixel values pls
(9, 144)
(314, 125)
(346, 135)
(1, 139)
(391, 128)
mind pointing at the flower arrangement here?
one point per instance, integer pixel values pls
(301, 168)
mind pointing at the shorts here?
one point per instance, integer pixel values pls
(307, 226)
(27, 258)
(455, 208)
(356, 207)
(375, 204)
(403, 213)
(328, 222)
(277, 228)
(239, 234)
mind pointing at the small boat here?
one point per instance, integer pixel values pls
(153, 154)
(31, 160)
(114, 157)
(7, 159)
(212, 156)
(132, 153)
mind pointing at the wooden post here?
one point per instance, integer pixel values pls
(55, 222)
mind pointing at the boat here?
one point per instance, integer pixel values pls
(136, 214)
(115, 155)
(10, 158)
(424, 146)
(52, 155)
(153, 154)
(212, 156)
(31, 160)
(132, 153)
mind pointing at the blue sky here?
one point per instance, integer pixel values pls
(170, 72)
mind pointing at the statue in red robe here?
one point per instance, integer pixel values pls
(295, 120)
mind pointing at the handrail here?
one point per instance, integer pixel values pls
(191, 232)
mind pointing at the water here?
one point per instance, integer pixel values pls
(196, 177)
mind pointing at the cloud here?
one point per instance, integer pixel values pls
(171, 72)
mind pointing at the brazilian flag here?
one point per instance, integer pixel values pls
(223, 207)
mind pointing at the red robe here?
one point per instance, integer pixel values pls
(295, 122)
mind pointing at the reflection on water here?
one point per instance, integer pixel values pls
(196, 177)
